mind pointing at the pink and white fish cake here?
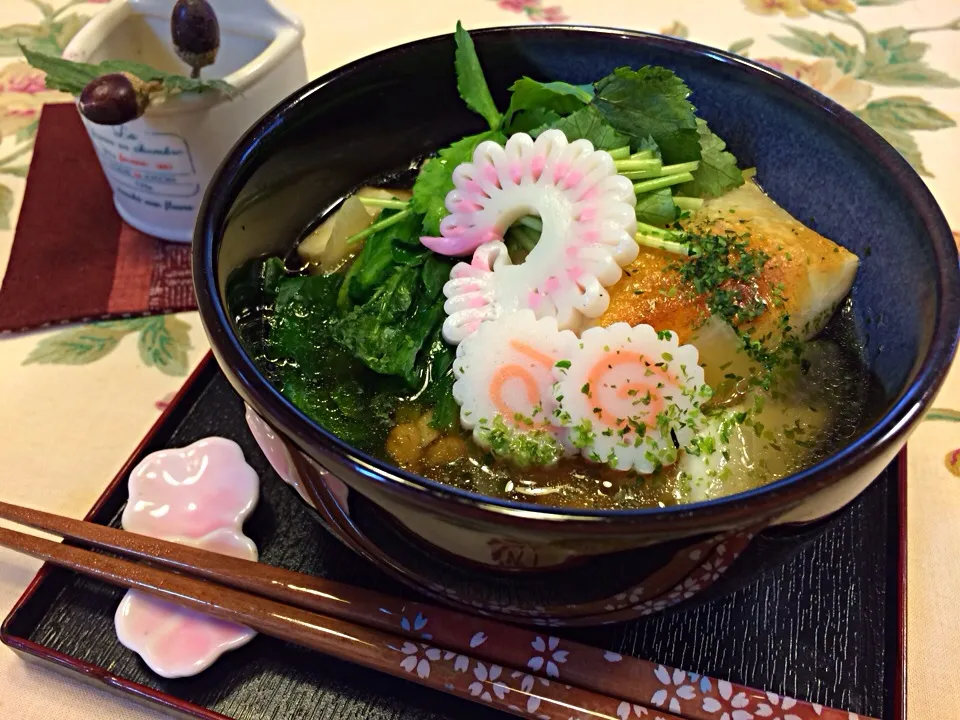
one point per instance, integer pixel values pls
(631, 397)
(588, 216)
(504, 386)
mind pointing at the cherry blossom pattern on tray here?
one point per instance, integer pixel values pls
(199, 495)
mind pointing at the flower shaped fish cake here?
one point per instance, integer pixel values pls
(588, 216)
(631, 397)
(504, 386)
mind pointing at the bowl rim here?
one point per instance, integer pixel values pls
(906, 410)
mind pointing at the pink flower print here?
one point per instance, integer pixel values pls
(952, 462)
(29, 83)
(674, 689)
(23, 93)
(552, 14)
(516, 5)
(534, 10)
(191, 492)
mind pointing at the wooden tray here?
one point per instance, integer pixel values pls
(827, 626)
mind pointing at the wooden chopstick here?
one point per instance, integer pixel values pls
(606, 673)
(500, 687)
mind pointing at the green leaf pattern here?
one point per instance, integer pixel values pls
(893, 58)
(163, 343)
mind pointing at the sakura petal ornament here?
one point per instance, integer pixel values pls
(588, 216)
(200, 496)
(190, 492)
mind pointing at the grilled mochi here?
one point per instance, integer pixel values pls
(799, 286)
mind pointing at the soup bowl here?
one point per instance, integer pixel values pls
(551, 566)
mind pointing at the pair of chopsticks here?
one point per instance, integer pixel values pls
(522, 672)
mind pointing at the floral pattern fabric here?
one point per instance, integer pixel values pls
(88, 394)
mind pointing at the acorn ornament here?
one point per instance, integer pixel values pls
(196, 34)
(115, 99)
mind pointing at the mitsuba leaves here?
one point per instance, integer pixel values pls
(657, 208)
(718, 172)
(651, 102)
(530, 120)
(560, 97)
(471, 83)
(380, 255)
(587, 124)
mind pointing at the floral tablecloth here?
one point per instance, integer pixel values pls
(76, 401)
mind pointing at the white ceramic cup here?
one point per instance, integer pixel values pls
(159, 165)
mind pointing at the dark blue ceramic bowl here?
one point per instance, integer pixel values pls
(558, 566)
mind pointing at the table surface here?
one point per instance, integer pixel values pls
(94, 391)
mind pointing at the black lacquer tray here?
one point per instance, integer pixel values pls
(827, 626)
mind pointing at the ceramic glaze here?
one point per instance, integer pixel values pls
(199, 495)
(588, 218)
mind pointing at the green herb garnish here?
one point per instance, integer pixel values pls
(470, 80)
(72, 77)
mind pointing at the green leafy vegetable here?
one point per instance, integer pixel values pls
(436, 272)
(657, 208)
(436, 178)
(528, 120)
(470, 80)
(439, 392)
(388, 331)
(72, 77)
(587, 124)
(651, 102)
(560, 97)
(380, 255)
(647, 144)
(316, 373)
(718, 172)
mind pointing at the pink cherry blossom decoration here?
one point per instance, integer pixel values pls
(199, 495)
(191, 492)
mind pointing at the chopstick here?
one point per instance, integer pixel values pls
(542, 657)
(500, 687)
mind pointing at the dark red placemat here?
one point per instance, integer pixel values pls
(73, 258)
